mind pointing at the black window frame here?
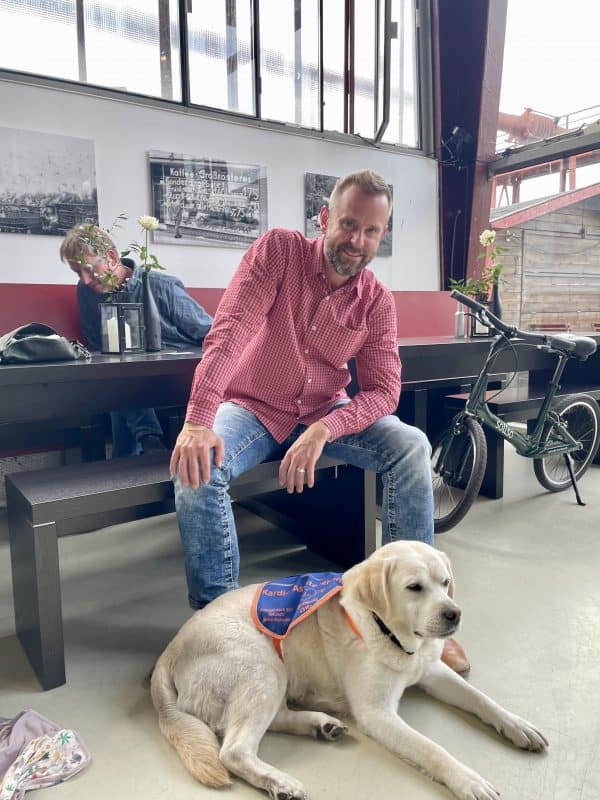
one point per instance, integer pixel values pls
(422, 66)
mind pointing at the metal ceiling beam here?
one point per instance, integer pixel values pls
(568, 144)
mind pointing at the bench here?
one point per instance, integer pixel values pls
(520, 404)
(336, 518)
(551, 327)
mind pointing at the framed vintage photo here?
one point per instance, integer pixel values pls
(47, 182)
(317, 189)
(203, 201)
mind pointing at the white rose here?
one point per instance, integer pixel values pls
(148, 223)
(487, 237)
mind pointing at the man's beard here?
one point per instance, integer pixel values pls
(333, 255)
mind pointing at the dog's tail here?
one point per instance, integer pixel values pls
(196, 744)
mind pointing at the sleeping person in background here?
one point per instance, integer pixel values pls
(183, 321)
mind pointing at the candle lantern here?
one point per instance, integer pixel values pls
(122, 327)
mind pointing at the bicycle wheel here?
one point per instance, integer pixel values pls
(581, 415)
(458, 479)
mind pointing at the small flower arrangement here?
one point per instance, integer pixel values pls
(98, 242)
(490, 275)
(149, 260)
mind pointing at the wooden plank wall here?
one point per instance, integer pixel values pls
(552, 269)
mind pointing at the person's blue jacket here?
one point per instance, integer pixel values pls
(183, 321)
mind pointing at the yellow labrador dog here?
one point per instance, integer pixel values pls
(221, 683)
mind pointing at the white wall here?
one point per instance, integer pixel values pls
(123, 133)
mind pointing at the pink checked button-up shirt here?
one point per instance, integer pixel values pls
(281, 340)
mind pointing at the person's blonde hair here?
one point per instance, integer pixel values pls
(85, 239)
(367, 181)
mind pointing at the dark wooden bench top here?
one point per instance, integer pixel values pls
(77, 490)
(551, 327)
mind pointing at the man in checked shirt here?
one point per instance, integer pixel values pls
(271, 384)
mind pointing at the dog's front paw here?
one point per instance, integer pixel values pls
(522, 733)
(469, 785)
(330, 729)
(287, 789)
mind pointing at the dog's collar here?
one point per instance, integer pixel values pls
(387, 632)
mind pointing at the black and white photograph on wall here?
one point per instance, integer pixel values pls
(317, 190)
(47, 182)
(203, 201)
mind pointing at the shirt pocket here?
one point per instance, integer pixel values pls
(335, 343)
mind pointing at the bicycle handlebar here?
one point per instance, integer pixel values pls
(562, 342)
(489, 319)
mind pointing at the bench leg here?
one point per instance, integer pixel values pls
(37, 597)
(336, 518)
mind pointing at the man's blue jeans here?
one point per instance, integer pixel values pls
(400, 452)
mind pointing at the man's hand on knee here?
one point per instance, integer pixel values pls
(191, 457)
(298, 465)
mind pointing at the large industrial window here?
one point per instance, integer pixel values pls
(130, 46)
(341, 66)
(546, 179)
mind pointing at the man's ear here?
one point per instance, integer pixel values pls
(324, 218)
(112, 256)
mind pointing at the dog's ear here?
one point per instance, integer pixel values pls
(373, 584)
(449, 565)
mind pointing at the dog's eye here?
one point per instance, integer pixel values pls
(414, 587)
(446, 582)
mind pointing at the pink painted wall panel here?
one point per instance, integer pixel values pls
(425, 313)
(419, 313)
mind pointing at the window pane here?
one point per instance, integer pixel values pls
(333, 65)
(289, 62)
(403, 127)
(123, 47)
(551, 64)
(37, 26)
(221, 65)
(364, 67)
(547, 179)
(547, 215)
(369, 73)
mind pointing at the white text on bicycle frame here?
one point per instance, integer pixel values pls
(504, 428)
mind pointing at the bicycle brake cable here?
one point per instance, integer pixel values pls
(493, 358)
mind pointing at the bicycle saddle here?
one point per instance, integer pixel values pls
(580, 347)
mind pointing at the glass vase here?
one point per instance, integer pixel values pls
(151, 317)
(495, 303)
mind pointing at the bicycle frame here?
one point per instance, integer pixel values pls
(527, 445)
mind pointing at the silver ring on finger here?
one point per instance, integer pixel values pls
(301, 470)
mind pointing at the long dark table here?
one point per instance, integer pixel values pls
(42, 399)
(37, 397)
(46, 397)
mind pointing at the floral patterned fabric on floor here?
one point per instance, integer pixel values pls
(35, 752)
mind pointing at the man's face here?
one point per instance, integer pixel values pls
(354, 228)
(91, 272)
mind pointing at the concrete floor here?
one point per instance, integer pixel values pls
(528, 579)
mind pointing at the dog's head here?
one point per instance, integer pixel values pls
(409, 587)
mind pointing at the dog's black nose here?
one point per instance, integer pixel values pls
(451, 614)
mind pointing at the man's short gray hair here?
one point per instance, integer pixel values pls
(367, 181)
